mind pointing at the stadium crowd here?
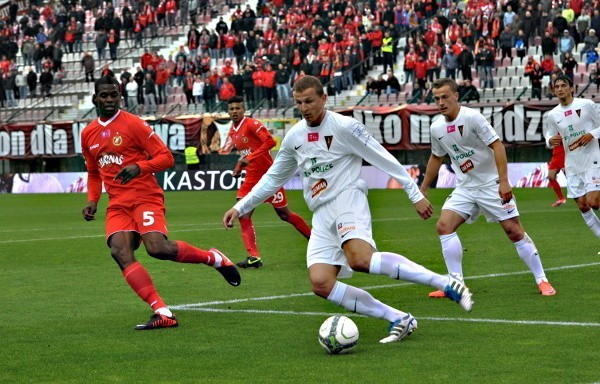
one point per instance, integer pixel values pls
(259, 53)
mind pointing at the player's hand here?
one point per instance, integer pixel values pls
(555, 140)
(89, 212)
(424, 208)
(230, 217)
(128, 173)
(505, 192)
(239, 166)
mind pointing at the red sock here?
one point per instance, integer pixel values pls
(140, 281)
(187, 253)
(249, 236)
(554, 185)
(299, 223)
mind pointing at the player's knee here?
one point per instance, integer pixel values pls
(283, 215)
(322, 287)
(123, 259)
(158, 251)
(515, 233)
(443, 228)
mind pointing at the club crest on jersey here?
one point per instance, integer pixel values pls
(244, 139)
(117, 140)
(313, 136)
(578, 112)
(451, 128)
(328, 140)
(568, 113)
(460, 129)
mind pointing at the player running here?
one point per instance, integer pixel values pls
(122, 152)
(253, 141)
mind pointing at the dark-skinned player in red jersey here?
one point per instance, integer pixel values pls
(123, 152)
(254, 142)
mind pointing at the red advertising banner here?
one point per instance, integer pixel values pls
(403, 127)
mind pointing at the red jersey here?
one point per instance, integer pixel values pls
(111, 145)
(254, 142)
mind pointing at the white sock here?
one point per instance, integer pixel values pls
(592, 221)
(529, 254)
(164, 311)
(360, 301)
(399, 267)
(452, 251)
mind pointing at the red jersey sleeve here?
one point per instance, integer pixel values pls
(261, 132)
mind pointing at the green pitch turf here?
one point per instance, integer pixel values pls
(67, 315)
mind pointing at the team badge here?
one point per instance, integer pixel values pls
(460, 129)
(328, 140)
(117, 140)
(578, 112)
(244, 140)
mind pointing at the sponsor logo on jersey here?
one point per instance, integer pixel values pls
(328, 140)
(450, 128)
(568, 113)
(94, 146)
(464, 155)
(245, 152)
(109, 158)
(313, 136)
(466, 166)
(117, 140)
(344, 228)
(105, 134)
(318, 187)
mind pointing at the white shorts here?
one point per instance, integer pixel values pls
(345, 217)
(580, 184)
(471, 202)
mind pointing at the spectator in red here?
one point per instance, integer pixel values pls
(146, 59)
(421, 68)
(227, 90)
(171, 9)
(454, 31)
(215, 78)
(188, 87)
(258, 78)
(193, 41)
(529, 66)
(230, 41)
(376, 38)
(227, 69)
(410, 61)
(162, 77)
(270, 85)
(547, 65)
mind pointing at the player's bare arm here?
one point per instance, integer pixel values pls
(555, 140)
(89, 212)
(433, 167)
(230, 217)
(128, 173)
(239, 166)
(504, 188)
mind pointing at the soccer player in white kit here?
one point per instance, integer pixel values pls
(479, 160)
(329, 149)
(575, 124)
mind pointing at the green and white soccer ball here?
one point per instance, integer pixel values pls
(338, 334)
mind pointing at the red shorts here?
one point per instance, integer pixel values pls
(141, 218)
(278, 200)
(557, 161)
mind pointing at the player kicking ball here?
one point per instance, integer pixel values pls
(122, 152)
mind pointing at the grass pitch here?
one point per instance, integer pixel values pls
(67, 315)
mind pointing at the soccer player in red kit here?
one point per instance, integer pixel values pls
(123, 152)
(253, 141)
(555, 165)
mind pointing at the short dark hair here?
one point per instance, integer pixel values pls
(235, 99)
(106, 80)
(563, 77)
(307, 82)
(445, 81)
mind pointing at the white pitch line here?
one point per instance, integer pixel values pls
(286, 296)
(469, 320)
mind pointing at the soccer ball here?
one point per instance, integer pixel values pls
(338, 334)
